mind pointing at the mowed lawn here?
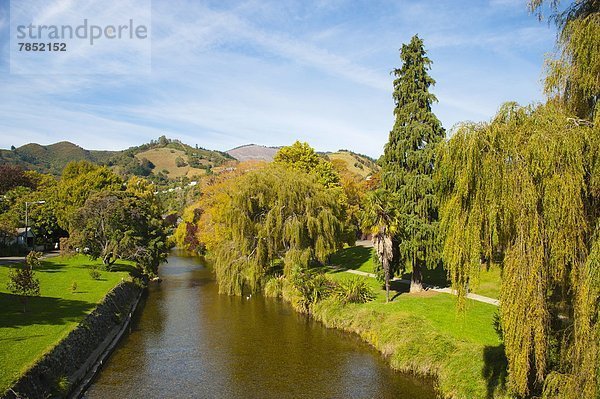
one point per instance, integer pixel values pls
(360, 258)
(25, 337)
(428, 333)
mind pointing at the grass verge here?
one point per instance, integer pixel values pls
(426, 334)
(26, 337)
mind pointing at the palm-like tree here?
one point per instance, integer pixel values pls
(380, 217)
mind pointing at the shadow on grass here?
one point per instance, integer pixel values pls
(397, 288)
(122, 267)
(351, 258)
(44, 267)
(494, 369)
(40, 310)
(437, 277)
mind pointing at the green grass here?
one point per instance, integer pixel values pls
(427, 334)
(25, 337)
(359, 258)
(356, 258)
(488, 282)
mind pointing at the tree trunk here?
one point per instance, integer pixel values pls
(416, 281)
(386, 268)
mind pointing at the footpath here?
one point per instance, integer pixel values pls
(7, 260)
(446, 290)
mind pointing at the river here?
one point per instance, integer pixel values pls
(187, 341)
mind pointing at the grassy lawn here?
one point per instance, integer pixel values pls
(488, 283)
(25, 337)
(425, 333)
(359, 258)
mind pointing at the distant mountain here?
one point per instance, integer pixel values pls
(168, 159)
(163, 160)
(252, 152)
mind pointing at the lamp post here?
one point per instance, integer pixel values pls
(27, 220)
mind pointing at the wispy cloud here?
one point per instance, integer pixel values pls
(272, 72)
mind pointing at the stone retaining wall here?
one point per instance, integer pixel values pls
(61, 372)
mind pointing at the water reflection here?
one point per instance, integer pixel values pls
(189, 341)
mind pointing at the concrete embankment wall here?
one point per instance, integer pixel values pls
(77, 357)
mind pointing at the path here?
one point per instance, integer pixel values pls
(7, 260)
(447, 290)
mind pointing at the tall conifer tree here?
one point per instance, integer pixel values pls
(407, 163)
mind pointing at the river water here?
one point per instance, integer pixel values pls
(187, 341)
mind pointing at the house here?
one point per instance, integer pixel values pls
(21, 239)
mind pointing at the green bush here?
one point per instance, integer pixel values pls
(62, 386)
(274, 287)
(354, 290)
(309, 288)
(94, 273)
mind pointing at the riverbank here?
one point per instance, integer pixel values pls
(62, 372)
(58, 316)
(425, 334)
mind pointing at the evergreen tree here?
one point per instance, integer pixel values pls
(407, 163)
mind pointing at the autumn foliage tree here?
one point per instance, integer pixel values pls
(267, 217)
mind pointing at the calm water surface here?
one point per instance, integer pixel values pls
(188, 341)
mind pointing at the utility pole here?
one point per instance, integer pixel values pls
(27, 220)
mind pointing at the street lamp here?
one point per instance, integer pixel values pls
(27, 220)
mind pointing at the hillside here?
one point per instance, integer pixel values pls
(173, 163)
(163, 159)
(253, 152)
(171, 159)
(357, 164)
(51, 158)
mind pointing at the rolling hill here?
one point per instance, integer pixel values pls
(164, 159)
(52, 158)
(358, 164)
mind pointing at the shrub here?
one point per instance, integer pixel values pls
(66, 247)
(310, 287)
(179, 162)
(74, 286)
(274, 287)
(22, 281)
(94, 273)
(354, 290)
(62, 386)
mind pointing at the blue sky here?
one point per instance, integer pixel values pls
(227, 73)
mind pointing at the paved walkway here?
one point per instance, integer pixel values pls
(447, 290)
(7, 260)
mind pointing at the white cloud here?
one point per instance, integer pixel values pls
(273, 72)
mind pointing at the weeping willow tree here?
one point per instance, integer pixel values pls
(268, 216)
(525, 190)
(573, 74)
